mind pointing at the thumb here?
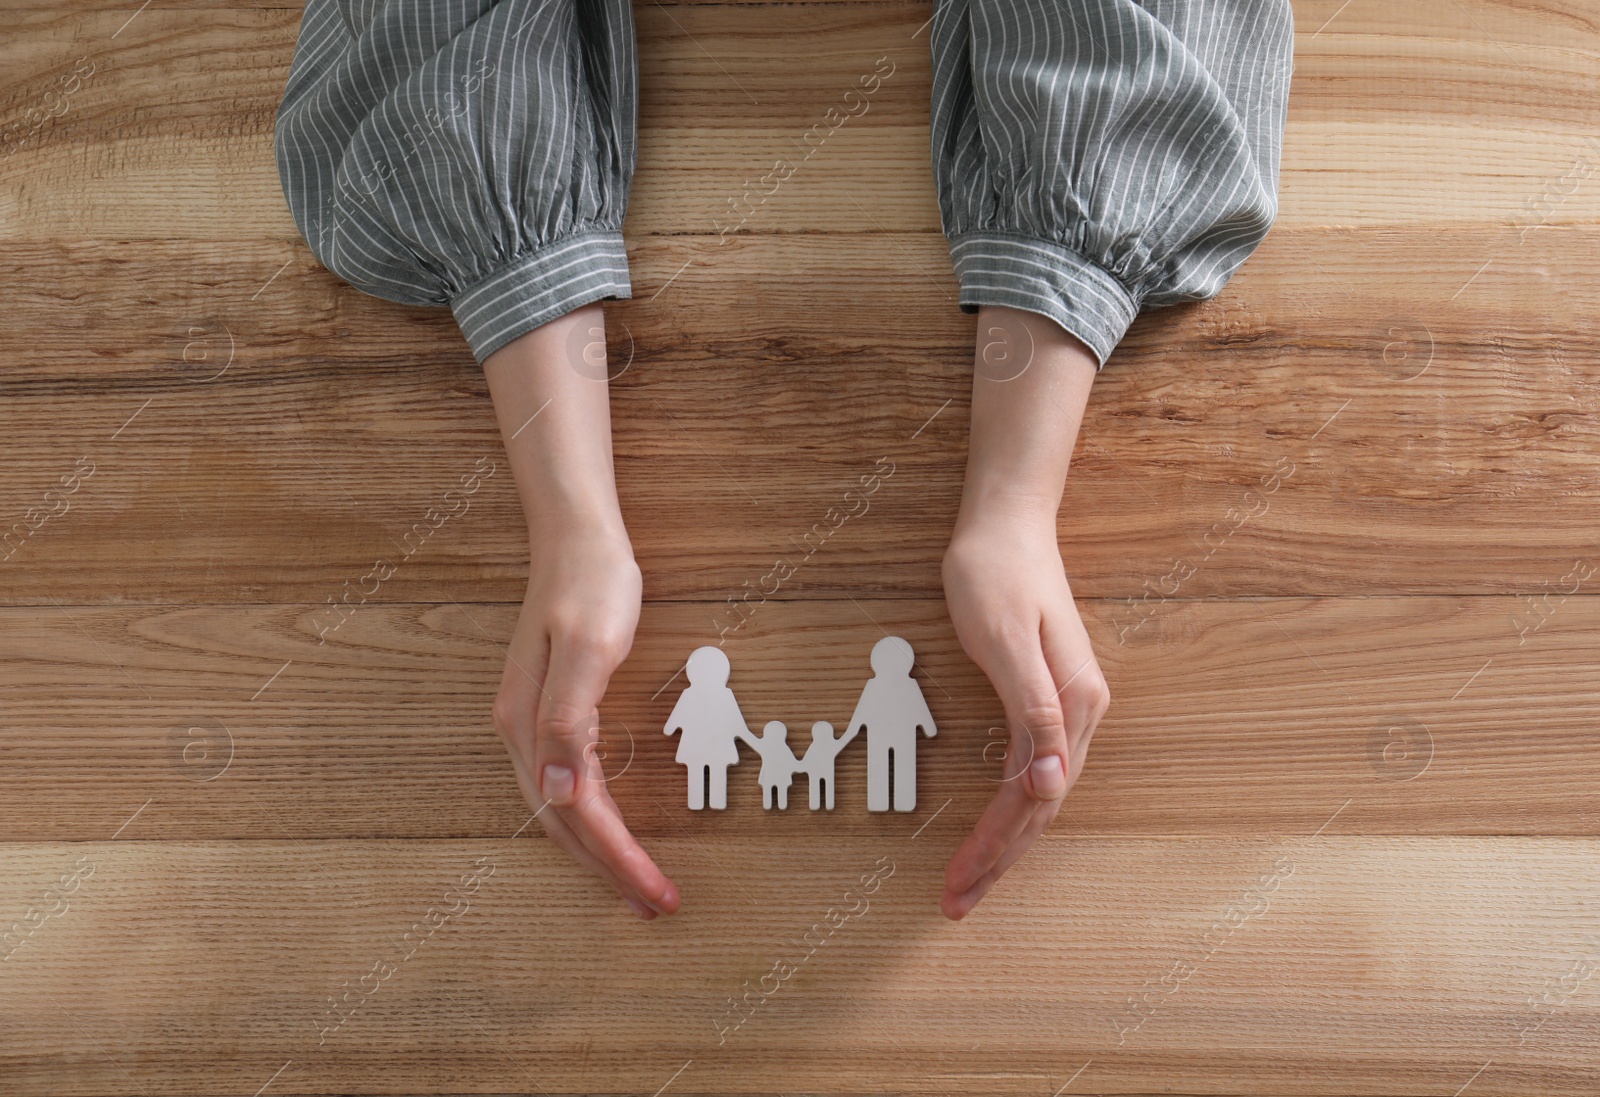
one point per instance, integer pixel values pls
(1038, 756)
(568, 724)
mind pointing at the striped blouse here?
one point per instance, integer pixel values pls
(1092, 157)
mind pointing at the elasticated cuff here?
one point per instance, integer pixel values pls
(538, 286)
(1044, 277)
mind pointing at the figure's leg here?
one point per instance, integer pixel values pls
(829, 783)
(697, 787)
(877, 776)
(719, 787)
(905, 774)
(783, 797)
(816, 801)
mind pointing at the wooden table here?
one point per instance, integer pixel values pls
(1337, 834)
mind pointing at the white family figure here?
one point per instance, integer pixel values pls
(891, 711)
(777, 765)
(818, 761)
(712, 724)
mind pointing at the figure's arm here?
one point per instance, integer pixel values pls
(1110, 156)
(675, 720)
(742, 729)
(925, 722)
(857, 718)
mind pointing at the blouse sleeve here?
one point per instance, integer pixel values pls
(475, 154)
(1096, 156)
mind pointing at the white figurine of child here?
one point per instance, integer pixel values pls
(819, 759)
(778, 765)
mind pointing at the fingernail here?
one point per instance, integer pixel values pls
(637, 909)
(1049, 779)
(558, 784)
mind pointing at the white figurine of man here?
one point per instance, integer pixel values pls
(891, 711)
(777, 765)
(819, 759)
(712, 724)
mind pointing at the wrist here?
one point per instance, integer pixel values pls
(572, 522)
(990, 502)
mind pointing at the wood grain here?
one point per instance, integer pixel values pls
(1438, 440)
(1335, 964)
(1229, 718)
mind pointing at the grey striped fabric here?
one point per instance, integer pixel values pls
(1091, 156)
(1094, 157)
(469, 153)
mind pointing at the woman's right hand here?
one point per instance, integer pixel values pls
(577, 624)
(550, 393)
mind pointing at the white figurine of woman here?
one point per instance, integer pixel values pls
(712, 724)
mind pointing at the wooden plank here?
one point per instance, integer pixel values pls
(1235, 718)
(261, 431)
(727, 90)
(1396, 966)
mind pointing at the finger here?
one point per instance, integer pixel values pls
(562, 835)
(1085, 696)
(569, 773)
(517, 704)
(556, 826)
(567, 722)
(1005, 817)
(515, 720)
(601, 826)
(1022, 678)
(1036, 763)
(958, 904)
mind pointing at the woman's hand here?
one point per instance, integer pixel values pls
(1013, 612)
(551, 398)
(1006, 587)
(577, 624)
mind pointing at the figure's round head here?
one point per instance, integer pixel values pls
(708, 666)
(821, 731)
(775, 728)
(892, 657)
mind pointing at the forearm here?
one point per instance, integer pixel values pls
(582, 605)
(555, 419)
(1031, 382)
